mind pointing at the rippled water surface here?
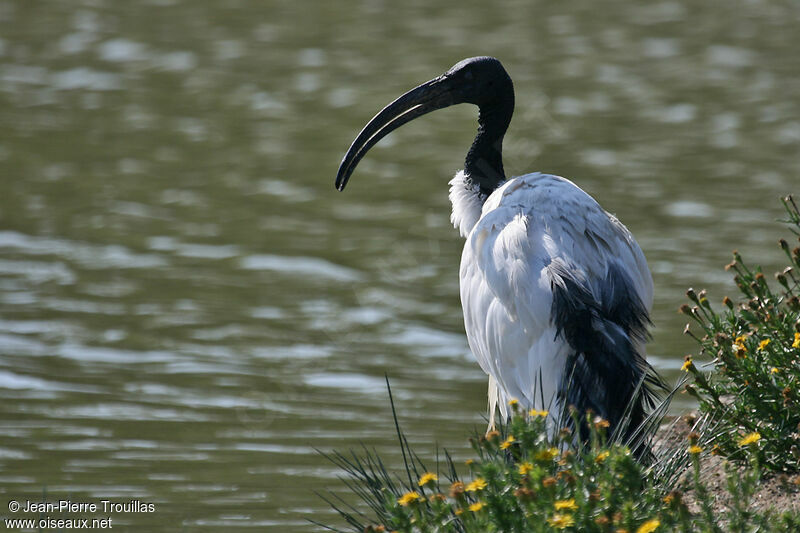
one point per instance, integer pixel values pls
(187, 307)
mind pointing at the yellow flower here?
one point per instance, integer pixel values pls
(524, 468)
(694, 449)
(478, 484)
(687, 364)
(602, 456)
(536, 412)
(561, 521)
(774, 370)
(763, 344)
(649, 526)
(546, 455)
(796, 343)
(739, 349)
(752, 438)
(469, 461)
(409, 498)
(507, 443)
(560, 505)
(426, 478)
(475, 507)
(513, 402)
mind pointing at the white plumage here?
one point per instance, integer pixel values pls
(556, 293)
(527, 224)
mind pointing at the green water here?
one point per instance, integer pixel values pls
(187, 306)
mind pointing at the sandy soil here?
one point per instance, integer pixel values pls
(779, 492)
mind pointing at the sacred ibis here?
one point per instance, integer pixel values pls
(556, 292)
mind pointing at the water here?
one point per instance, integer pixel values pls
(188, 308)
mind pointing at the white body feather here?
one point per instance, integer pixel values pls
(528, 223)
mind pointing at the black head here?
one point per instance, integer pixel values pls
(481, 81)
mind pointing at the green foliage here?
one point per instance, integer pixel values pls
(753, 384)
(524, 481)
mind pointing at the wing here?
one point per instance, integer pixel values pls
(547, 274)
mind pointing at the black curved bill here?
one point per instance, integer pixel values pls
(430, 96)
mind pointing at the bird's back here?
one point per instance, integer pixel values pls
(556, 295)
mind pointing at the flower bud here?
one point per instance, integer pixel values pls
(692, 391)
(795, 450)
(525, 494)
(673, 498)
(457, 489)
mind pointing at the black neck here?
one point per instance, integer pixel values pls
(484, 164)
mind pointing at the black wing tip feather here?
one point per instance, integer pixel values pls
(605, 373)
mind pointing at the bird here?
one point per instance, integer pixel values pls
(556, 292)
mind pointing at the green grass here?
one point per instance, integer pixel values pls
(520, 480)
